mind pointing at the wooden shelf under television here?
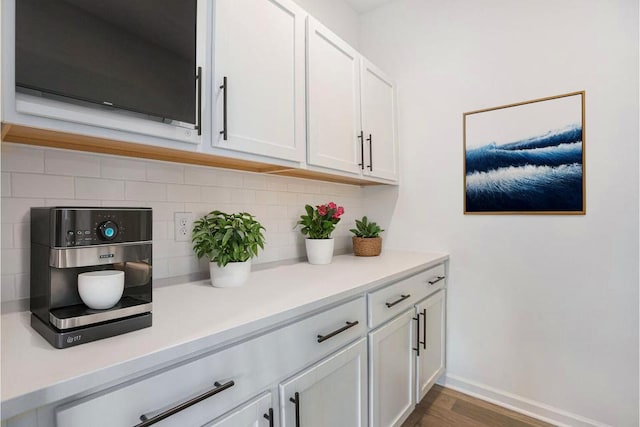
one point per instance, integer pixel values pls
(47, 138)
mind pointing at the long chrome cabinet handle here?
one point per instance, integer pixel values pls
(398, 301)
(225, 91)
(296, 401)
(148, 420)
(370, 139)
(322, 338)
(361, 138)
(269, 417)
(436, 280)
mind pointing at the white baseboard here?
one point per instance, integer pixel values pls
(531, 408)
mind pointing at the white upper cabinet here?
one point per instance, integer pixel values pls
(333, 104)
(47, 109)
(259, 53)
(350, 108)
(378, 123)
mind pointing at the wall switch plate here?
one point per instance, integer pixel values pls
(183, 223)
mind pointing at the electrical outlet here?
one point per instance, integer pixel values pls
(183, 223)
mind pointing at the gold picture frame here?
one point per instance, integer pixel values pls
(526, 158)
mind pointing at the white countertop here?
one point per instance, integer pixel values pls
(187, 319)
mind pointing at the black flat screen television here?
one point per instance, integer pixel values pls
(136, 55)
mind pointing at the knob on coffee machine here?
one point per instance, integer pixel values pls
(108, 230)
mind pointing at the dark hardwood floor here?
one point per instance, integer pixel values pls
(443, 407)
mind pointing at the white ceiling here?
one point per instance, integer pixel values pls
(362, 6)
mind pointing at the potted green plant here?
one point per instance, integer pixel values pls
(318, 224)
(367, 240)
(229, 241)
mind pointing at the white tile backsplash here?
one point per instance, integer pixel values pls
(63, 162)
(105, 189)
(34, 176)
(122, 168)
(37, 185)
(150, 191)
(183, 193)
(166, 173)
(7, 235)
(21, 158)
(5, 177)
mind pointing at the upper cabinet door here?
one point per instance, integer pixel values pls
(259, 52)
(333, 100)
(379, 123)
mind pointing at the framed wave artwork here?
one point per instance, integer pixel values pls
(526, 158)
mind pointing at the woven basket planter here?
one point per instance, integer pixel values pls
(367, 246)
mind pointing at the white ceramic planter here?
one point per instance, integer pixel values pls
(101, 290)
(232, 275)
(319, 251)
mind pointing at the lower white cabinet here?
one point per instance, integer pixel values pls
(431, 361)
(391, 382)
(330, 393)
(257, 413)
(326, 368)
(407, 353)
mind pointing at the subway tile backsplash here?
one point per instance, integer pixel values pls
(34, 176)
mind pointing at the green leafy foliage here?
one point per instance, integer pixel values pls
(366, 229)
(225, 238)
(319, 222)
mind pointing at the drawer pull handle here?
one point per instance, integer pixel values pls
(398, 301)
(296, 401)
(436, 280)
(322, 338)
(269, 417)
(148, 419)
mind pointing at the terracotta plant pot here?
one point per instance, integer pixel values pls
(367, 246)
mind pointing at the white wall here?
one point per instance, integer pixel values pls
(337, 15)
(542, 310)
(33, 176)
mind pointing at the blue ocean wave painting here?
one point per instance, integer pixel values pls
(543, 174)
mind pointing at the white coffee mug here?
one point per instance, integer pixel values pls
(101, 289)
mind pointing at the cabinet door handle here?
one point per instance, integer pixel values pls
(225, 90)
(269, 417)
(150, 419)
(424, 328)
(417, 348)
(361, 138)
(370, 153)
(199, 78)
(322, 338)
(436, 280)
(398, 301)
(296, 401)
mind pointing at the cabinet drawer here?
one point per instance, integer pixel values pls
(392, 300)
(242, 371)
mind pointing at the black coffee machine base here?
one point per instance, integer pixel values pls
(89, 333)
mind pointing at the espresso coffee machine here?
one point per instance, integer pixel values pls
(68, 241)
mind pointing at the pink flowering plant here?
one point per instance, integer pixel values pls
(319, 222)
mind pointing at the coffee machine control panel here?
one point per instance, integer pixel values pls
(74, 227)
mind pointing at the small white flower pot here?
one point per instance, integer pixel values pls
(232, 275)
(319, 251)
